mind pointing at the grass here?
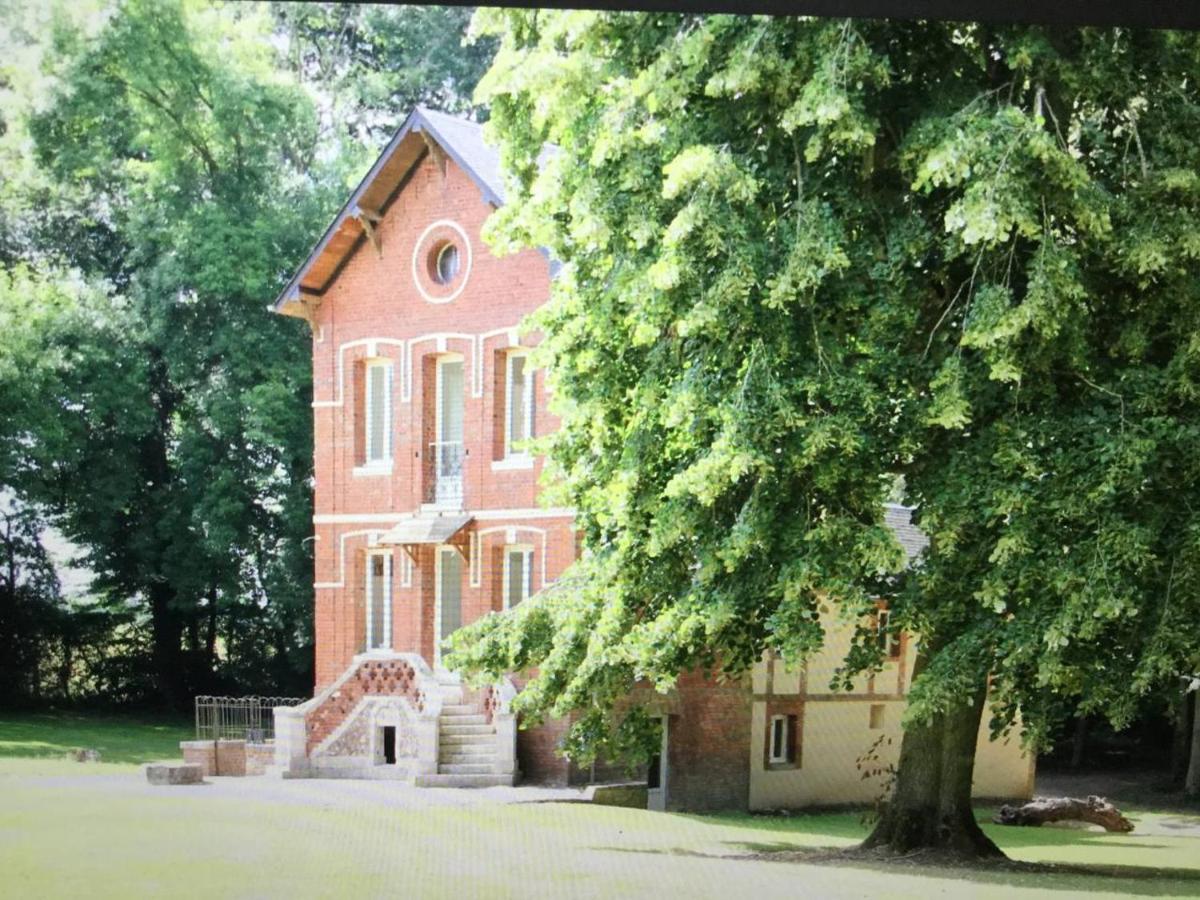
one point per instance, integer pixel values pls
(43, 740)
(111, 835)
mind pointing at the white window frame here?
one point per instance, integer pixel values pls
(526, 551)
(782, 755)
(510, 453)
(386, 643)
(382, 463)
(890, 640)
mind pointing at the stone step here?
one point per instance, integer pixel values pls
(464, 719)
(459, 709)
(471, 764)
(466, 769)
(467, 740)
(447, 730)
(454, 755)
(465, 781)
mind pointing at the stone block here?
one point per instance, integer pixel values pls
(631, 796)
(174, 773)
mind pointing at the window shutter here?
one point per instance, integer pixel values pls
(792, 736)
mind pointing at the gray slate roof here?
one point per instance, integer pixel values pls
(912, 538)
(463, 140)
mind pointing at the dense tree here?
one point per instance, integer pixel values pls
(167, 164)
(29, 602)
(374, 63)
(168, 430)
(801, 258)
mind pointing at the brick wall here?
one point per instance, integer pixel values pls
(708, 745)
(375, 310)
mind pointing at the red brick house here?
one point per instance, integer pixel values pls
(427, 516)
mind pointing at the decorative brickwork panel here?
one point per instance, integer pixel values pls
(387, 677)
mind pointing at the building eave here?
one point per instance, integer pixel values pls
(345, 233)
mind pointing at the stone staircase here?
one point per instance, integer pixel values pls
(467, 743)
(444, 734)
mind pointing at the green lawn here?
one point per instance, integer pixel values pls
(121, 740)
(69, 829)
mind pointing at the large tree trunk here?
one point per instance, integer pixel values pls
(1181, 738)
(1077, 746)
(167, 629)
(930, 808)
(1191, 785)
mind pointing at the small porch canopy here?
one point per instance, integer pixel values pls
(428, 529)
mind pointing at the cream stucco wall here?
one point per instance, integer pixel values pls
(834, 733)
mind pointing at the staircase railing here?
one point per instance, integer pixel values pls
(447, 487)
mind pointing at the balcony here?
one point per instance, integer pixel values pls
(445, 486)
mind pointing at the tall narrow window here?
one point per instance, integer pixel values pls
(888, 640)
(781, 740)
(379, 601)
(448, 450)
(518, 575)
(378, 413)
(519, 397)
(779, 736)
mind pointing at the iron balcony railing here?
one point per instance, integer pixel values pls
(447, 486)
(251, 719)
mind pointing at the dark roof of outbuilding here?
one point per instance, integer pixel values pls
(912, 538)
(461, 140)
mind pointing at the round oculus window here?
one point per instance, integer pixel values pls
(446, 263)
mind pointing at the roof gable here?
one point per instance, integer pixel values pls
(423, 132)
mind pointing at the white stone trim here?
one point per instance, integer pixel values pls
(510, 537)
(466, 273)
(482, 515)
(439, 339)
(405, 360)
(371, 470)
(520, 462)
(372, 534)
(371, 343)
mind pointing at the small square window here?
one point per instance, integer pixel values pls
(876, 716)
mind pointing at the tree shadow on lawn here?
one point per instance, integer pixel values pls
(120, 739)
(1140, 881)
(832, 838)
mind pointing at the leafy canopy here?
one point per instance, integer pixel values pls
(806, 261)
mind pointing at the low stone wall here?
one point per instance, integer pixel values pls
(258, 757)
(232, 757)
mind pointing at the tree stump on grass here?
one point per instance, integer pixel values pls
(1040, 810)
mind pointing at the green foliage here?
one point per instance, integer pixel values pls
(170, 164)
(373, 64)
(801, 258)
